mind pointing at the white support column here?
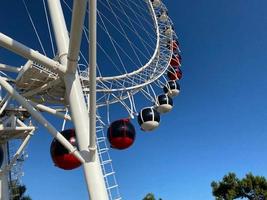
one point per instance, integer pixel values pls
(4, 187)
(71, 46)
(92, 72)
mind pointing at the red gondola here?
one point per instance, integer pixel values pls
(174, 45)
(174, 73)
(176, 60)
(60, 155)
(121, 134)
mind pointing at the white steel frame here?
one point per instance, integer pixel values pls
(120, 87)
(68, 57)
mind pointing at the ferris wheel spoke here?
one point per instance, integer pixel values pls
(143, 41)
(49, 29)
(123, 32)
(85, 33)
(106, 54)
(147, 95)
(112, 42)
(124, 36)
(139, 24)
(33, 25)
(147, 25)
(138, 5)
(131, 21)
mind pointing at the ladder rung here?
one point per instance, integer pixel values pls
(108, 174)
(103, 150)
(106, 162)
(114, 186)
(101, 138)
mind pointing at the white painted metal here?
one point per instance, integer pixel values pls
(18, 153)
(92, 72)
(50, 110)
(4, 105)
(9, 68)
(78, 15)
(106, 164)
(15, 128)
(134, 81)
(119, 87)
(29, 53)
(153, 57)
(12, 128)
(4, 188)
(92, 170)
(38, 117)
(42, 88)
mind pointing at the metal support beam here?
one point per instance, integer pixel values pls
(38, 117)
(92, 72)
(50, 110)
(78, 15)
(9, 68)
(30, 54)
(44, 87)
(71, 46)
(4, 187)
(17, 154)
(4, 105)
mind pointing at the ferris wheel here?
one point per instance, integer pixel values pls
(132, 71)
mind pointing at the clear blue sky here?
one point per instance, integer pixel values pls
(219, 123)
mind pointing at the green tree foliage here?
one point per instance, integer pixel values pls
(150, 196)
(18, 192)
(251, 187)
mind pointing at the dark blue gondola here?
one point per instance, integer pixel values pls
(172, 89)
(148, 119)
(164, 103)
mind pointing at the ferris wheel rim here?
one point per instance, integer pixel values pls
(127, 76)
(152, 57)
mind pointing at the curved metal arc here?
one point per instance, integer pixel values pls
(134, 81)
(151, 59)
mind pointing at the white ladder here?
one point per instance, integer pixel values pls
(106, 163)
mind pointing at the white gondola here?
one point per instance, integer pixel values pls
(156, 3)
(163, 17)
(148, 119)
(172, 89)
(168, 31)
(164, 103)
